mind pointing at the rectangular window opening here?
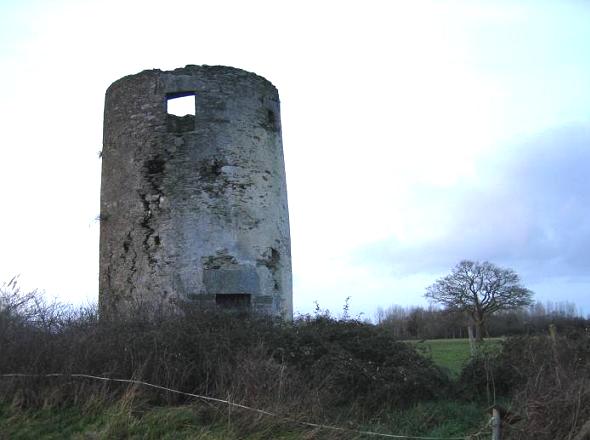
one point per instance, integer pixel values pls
(181, 104)
(239, 301)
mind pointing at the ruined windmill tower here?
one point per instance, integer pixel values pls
(194, 208)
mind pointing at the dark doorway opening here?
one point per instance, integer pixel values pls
(238, 301)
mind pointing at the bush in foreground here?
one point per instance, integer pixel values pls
(351, 361)
(316, 366)
(548, 379)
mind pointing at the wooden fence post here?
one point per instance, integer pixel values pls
(496, 424)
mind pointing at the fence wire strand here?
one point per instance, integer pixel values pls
(248, 408)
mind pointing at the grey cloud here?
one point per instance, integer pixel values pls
(530, 210)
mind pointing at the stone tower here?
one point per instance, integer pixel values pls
(194, 208)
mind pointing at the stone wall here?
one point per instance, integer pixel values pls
(194, 208)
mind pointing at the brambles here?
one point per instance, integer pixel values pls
(351, 361)
(316, 364)
(547, 378)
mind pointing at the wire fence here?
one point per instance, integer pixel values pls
(474, 436)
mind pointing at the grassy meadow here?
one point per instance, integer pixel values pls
(452, 354)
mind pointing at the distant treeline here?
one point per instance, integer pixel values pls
(432, 322)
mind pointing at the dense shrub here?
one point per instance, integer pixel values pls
(555, 393)
(489, 373)
(355, 361)
(548, 379)
(312, 363)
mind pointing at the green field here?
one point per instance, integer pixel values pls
(451, 354)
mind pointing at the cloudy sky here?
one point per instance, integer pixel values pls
(416, 133)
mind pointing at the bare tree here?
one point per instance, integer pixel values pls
(479, 289)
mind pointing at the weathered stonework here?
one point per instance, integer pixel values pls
(194, 208)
